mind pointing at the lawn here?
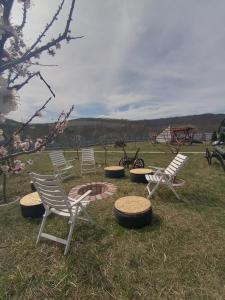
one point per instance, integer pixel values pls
(181, 256)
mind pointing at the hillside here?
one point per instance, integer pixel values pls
(92, 130)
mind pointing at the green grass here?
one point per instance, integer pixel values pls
(148, 147)
(181, 256)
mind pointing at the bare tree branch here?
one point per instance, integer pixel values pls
(24, 17)
(27, 56)
(48, 86)
(19, 86)
(42, 65)
(6, 13)
(47, 140)
(20, 129)
(54, 18)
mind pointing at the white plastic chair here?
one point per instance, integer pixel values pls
(165, 176)
(87, 161)
(61, 166)
(57, 202)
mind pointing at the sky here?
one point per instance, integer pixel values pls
(143, 59)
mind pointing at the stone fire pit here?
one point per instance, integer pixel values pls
(100, 190)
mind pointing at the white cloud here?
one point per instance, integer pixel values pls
(139, 59)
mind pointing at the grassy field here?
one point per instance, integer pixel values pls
(149, 147)
(181, 256)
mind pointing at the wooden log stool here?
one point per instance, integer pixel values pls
(133, 211)
(31, 206)
(138, 175)
(114, 172)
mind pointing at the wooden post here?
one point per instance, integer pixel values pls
(4, 188)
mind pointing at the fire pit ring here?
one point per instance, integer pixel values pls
(100, 190)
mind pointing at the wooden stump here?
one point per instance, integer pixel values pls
(133, 211)
(114, 172)
(31, 206)
(138, 175)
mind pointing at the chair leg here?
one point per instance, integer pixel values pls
(151, 192)
(175, 193)
(72, 223)
(42, 226)
(148, 189)
(89, 219)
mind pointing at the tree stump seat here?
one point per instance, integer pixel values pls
(31, 206)
(114, 172)
(133, 211)
(138, 175)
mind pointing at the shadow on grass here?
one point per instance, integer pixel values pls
(202, 198)
(192, 198)
(157, 222)
(155, 225)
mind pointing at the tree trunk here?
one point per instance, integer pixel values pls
(3, 188)
(105, 157)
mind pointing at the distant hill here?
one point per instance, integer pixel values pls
(203, 122)
(98, 129)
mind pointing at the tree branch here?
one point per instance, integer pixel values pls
(24, 17)
(38, 40)
(6, 13)
(19, 130)
(38, 51)
(19, 86)
(42, 65)
(48, 139)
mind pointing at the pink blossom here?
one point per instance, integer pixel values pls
(30, 162)
(39, 144)
(24, 146)
(3, 151)
(4, 168)
(18, 167)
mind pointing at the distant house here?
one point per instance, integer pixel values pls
(164, 136)
(174, 135)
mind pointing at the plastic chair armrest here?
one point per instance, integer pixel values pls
(76, 201)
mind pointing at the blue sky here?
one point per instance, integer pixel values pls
(142, 59)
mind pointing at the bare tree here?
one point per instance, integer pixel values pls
(17, 62)
(105, 147)
(17, 59)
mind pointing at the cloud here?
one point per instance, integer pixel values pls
(139, 59)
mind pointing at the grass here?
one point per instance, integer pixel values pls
(181, 256)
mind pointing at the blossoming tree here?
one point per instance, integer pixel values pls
(17, 63)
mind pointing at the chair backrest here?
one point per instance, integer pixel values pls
(57, 158)
(51, 192)
(176, 164)
(87, 154)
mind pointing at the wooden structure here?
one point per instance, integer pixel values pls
(176, 135)
(133, 211)
(182, 135)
